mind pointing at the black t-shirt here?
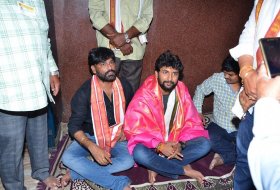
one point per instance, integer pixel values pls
(165, 100)
(81, 109)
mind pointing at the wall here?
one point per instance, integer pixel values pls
(200, 32)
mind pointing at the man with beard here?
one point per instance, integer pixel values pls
(222, 130)
(99, 148)
(164, 131)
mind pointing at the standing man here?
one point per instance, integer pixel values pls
(27, 70)
(264, 21)
(163, 128)
(263, 157)
(121, 26)
(96, 122)
(222, 130)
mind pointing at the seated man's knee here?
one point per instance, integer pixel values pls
(128, 161)
(65, 158)
(205, 144)
(68, 158)
(140, 153)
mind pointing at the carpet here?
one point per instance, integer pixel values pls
(220, 178)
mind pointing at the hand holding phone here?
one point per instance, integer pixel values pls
(270, 48)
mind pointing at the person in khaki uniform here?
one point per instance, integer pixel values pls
(122, 26)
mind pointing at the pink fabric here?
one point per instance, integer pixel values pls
(144, 118)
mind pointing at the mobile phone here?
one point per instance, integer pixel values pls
(270, 48)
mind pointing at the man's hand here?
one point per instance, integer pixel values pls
(126, 49)
(267, 87)
(177, 152)
(55, 84)
(101, 156)
(250, 85)
(202, 118)
(171, 150)
(117, 40)
(245, 101)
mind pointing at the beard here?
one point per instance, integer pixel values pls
(109, 76)
(167, 86)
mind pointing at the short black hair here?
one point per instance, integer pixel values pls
(100, 55)
(168, 59)
(230, 65)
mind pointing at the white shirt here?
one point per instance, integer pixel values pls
(249, 39)
(263, 153)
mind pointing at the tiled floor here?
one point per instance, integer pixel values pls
(29, 182)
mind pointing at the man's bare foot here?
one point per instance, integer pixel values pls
(193, 173)
(152, 176)
(65, 179)
(52, 183)
(217, 161)
(127, 188)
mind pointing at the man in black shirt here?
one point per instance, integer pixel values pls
(96, 121)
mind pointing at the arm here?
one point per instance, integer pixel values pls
(202, 90)
(97, 14)
(141, 25)
(101, 156)
(244, 53)
(54, 78)
(248, 75)
(192, 126)
(140, 126)
(80, 107)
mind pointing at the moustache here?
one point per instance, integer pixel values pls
(171, 82)
(108, 72)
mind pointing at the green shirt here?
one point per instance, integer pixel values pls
(99, 14)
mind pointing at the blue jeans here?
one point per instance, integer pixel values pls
(195, 149)
(223, 142)
(81, 167)
(242, 178)
(14, 127)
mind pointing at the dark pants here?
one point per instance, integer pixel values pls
(14, 127)
(242, 177)
(223, 142)
(130, 70)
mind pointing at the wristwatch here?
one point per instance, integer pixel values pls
(127, 40)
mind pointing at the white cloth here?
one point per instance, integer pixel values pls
(248, 41)
(263, 153)
(168, 113)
